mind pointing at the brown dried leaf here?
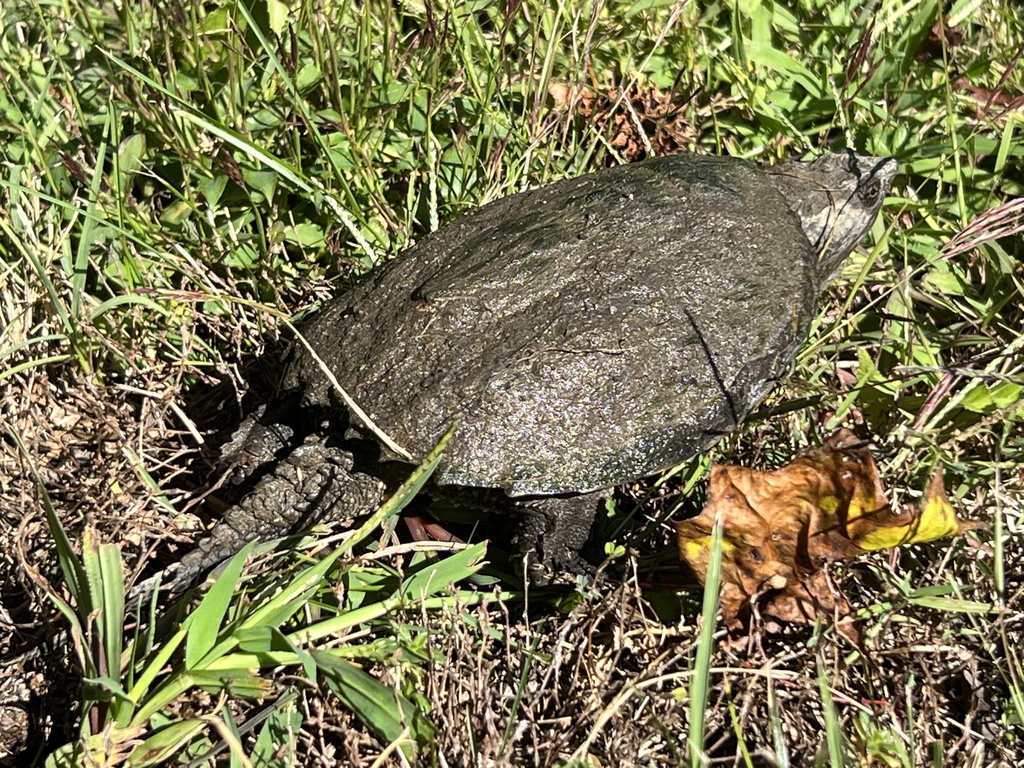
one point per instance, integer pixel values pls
(814, 596)
(779, 528)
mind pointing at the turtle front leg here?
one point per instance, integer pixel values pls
(316, 482)
(551, 535)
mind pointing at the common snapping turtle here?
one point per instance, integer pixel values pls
(581, 335)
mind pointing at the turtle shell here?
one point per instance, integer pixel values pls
(583, 334)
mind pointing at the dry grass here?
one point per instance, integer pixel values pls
(509, 683)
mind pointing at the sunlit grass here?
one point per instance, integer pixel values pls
(178, 177)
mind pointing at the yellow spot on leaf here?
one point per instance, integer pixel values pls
(935, 520)
(828, 504)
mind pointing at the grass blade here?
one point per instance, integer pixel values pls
(385, 711)
(204, 625)
(833, 730)
(700, 681)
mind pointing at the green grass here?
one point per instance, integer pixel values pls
(180, 178)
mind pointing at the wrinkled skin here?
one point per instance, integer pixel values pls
(590, 332)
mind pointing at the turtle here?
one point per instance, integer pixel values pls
(580, 336)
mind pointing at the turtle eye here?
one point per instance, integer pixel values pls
(869, 192)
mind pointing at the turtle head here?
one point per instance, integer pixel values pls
(837, 198)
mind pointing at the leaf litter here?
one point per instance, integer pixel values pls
(780, 528)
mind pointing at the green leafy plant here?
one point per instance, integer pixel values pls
(234, 639)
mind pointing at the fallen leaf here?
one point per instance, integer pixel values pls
(779, 528)
(936, 519)
(805, 600)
